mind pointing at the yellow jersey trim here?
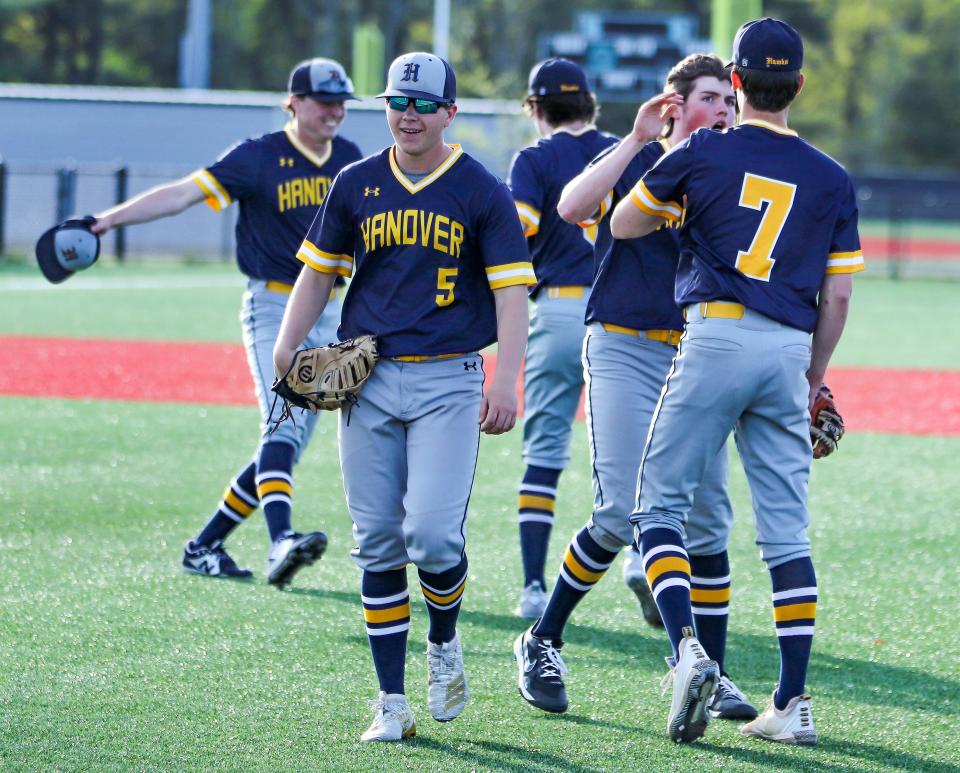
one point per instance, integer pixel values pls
(217, 197)
(435, 175)
(845, 262)
(529, 218)
(325, 262)
(770, 126)
(304, 150)
(509, 274)
(648, 203)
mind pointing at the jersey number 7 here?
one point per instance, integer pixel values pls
(756, 262)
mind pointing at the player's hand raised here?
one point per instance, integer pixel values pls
(654, 113)
(498, 409)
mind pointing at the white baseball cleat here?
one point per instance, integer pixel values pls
(533, 600)
(694, 679)
(392, 719)
(446, 681)
(792, 725)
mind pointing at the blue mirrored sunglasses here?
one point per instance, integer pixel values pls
(422, 106)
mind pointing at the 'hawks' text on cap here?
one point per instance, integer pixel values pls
(557, 76)
(768, 44)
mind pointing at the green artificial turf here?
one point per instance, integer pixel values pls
(112, 659)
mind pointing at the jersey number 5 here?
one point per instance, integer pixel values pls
(446, 277)
(756, 262)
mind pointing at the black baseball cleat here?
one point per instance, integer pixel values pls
(541, 671)
(212, 561)
(728, 702)
(288, 555)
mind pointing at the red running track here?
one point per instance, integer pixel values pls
(918, 402)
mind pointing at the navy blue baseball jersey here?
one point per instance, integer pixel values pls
(562, 253)
(635, 277)
(279, 183)
(424, 257)
(767, 215)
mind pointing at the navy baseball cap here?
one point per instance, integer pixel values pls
(421, 75)
(557, 76)
(67, 248)
(321, 79)
(767, 44)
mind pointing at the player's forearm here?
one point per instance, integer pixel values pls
(833, 308)
(161, 201)
(582, 196)
(630, 222)
(512, 323)
(307, 302)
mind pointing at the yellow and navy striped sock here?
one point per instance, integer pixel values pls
(239, 501)
(535, 506)
(584, 563)
(668, 573)
(794, 615)
(710, 602)
(275, 486)
(443, 592)
(386, 612)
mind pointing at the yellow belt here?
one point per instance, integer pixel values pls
(671, 337)
(566, 291)
(285, 289)
(722, 310)
(427, 357)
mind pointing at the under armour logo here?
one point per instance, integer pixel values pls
(470, 365)
(368, 191)
(411, 72)
(286, 162)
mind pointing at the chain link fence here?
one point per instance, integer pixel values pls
(910, 226)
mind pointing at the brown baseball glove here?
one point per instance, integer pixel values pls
(826, 423)
(328, 377)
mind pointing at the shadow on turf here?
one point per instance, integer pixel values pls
(780, 757)
(847, 679)
(495, 755)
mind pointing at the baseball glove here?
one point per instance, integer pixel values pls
(328, 377)
(826, 423)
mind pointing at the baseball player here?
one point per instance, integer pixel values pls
(768, 245)
(440, 270)
(563, 109)
(633, 326)
(280, 180)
